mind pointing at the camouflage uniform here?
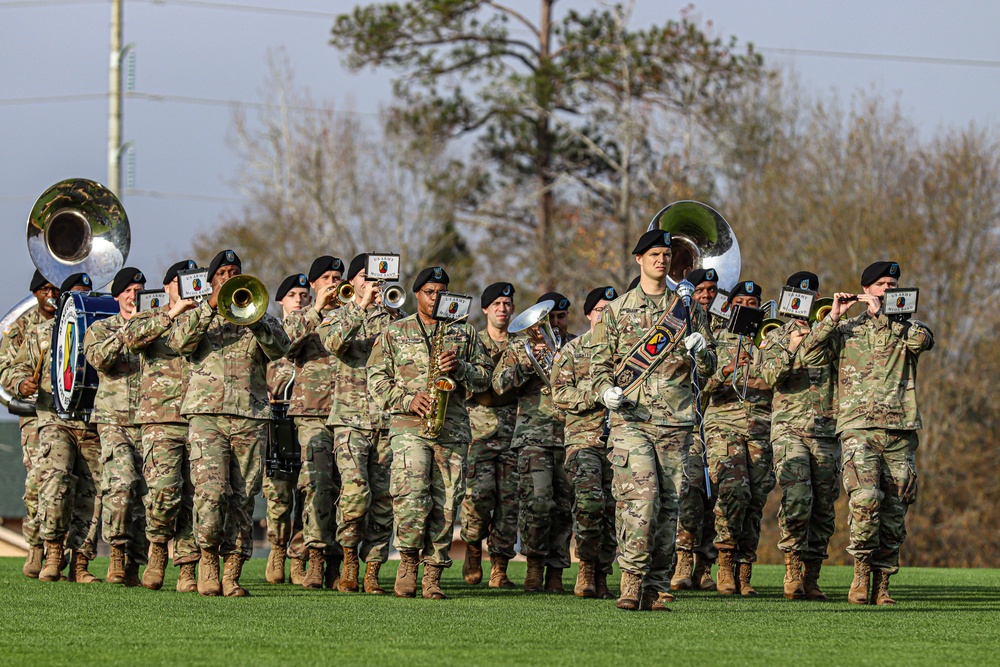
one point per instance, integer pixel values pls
(427, 476)
(804, 439)
(284, 511)
(12, 341)
(878, 420)
(545, 496)
(650, 440)
(69, 463)
(363, 457)
(587, 464)
(115, 405)
(165, 462)
(227, 407)
(490, 507)
(739, 451)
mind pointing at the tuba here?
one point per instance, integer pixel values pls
(243, 300)
(535, 323)
(700, 238)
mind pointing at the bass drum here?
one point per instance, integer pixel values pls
(74, 381)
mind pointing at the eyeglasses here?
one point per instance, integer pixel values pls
(431, 293)
(48, 289)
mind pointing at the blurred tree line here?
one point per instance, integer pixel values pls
(537, 152)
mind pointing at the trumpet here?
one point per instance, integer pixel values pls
(393, 297)
(345, 293)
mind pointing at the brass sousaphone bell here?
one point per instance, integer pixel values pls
(243, 300)
(700, 239)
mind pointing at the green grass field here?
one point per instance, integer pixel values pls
(944, 617)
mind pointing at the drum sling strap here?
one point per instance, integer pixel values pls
(656, 346)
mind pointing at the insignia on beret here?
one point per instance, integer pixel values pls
(337, 265)
(609, 293)
(666, 237)
(85, 279)
(710, 275)
(893, 269)
(230, 256)
(804, 284)
(191, 264)
(563, 304)
(302, 280)
(437, 273)
(748, 286)
(506, 290)
(138, 277)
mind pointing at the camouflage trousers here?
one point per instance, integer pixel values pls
(364, 510)
(170, 500)
(589, 473)
(30, 456)
(319, 483)
(545, 504)
(426, 483)
(742, 474)
(696, 520)
(123, 490)
(648, 463)
(284, 514)
(880, 478)
(808, 472)
(489, 510)
(227, 471)
(69, 487)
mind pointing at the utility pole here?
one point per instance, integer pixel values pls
(115, 98)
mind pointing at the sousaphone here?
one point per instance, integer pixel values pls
(700, 239)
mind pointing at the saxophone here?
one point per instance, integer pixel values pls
(439, 387)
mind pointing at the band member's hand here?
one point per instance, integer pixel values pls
(743, 360)
(539, 349)
(908, 490)
(695, 343)
(797, 335)
(366, 294)
(842, 302)
(613, 398)
(182, 305)
(28, 386)
(324, 297)
(874, 303)
(213, 299)
(447, 361)
(421, 404)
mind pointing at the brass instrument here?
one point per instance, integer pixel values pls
(821, 308)
(769, 324)
(393, 297)
(345, 293)
(700, 238)
(243, 300)
(535, 323)
(439, 387)
(16, 406)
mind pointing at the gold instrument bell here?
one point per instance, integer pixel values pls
(821, 308)
(243, 300)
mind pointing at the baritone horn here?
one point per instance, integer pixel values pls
(243, 300)
(535, 323)
(769, 324)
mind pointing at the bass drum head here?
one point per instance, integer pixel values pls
(74, 381)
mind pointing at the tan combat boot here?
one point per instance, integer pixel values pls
(156, 568)
(33, 562)
(702, 576)
(533, 579)
(331, 574)
(116, 567)
(54, 562)
(406, 575)
(745, 572)
(371, 578)
(794, 587)
(275, 571)
(586, 586)
(553, 580)
(859, 587)
(78, 572)
(132, 573)
(314, 577)
(208, 574)
(231, 577)
(187, 581)
(601, 587)
(349, 579)
(498, 573)
(430, 584)
(726, 576)
(629, 599)
(681, 581)
(880, 588)
(472, 568)
(811, 582)
(297, 572)
(652, 600)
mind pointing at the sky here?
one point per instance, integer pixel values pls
(196, 60)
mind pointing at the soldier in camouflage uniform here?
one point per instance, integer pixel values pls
(165, 464)
(587, 464)
(427, 473)
(69, 463)
(651, 426)
(115, 408)
(806, 448)
(227, 407)
(545, 515)
(13, 338)
(877, 420)
(489, 510)
(364, 510)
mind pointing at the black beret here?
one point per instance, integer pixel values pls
(38, 281)
(183, 265)
(746, 288)
(699, 276)
(803, 280)
(74, 280)
(358, 264)
(323, 264)
(562, 303)
(224, 258)
(635, 283)
(607, 292)
(127, 276)
(879, 270)
(495, 291)
(294, 280)
(654, 238)
(432, 274)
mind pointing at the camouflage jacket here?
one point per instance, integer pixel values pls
(164, 372)
(539, 422)
(492, 421)
(398, 369)
(804, 386)
(280, 373)
(877, 358)
(228, 363)
(348, 335)
(665, 396)
(752, 415)
(13, 338)
(119, 379)
(311, 363)
(573, 392)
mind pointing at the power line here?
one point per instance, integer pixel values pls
(885, 57)
(259, 9)
(159, 194)
(47, 99)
